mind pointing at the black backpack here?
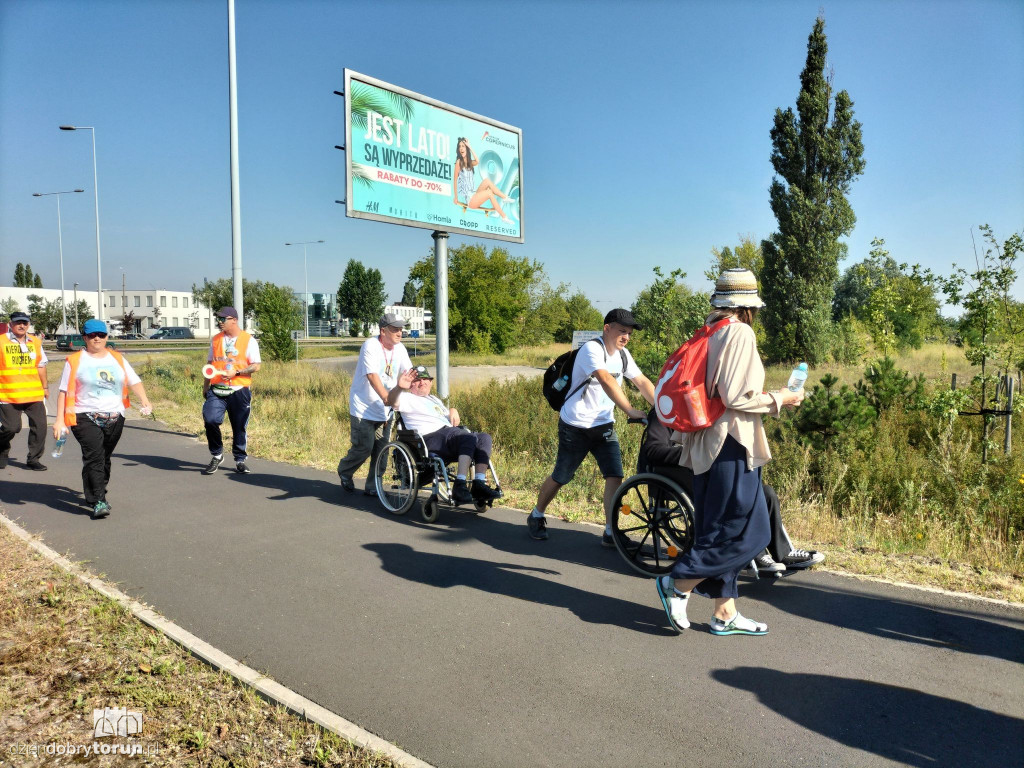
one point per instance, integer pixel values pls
(559, 374)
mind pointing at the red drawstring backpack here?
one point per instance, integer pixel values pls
(681, 399)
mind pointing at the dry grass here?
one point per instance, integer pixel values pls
(65, 650)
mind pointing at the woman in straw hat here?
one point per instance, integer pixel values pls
(732, 524)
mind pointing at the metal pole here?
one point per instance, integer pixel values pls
(236, 205)
(1009, 415)
(441, 311)
(60, 246)
(95, 199)
(305, 298)
(124, 303)
(78, 325)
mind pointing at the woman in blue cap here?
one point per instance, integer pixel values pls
(93, 397)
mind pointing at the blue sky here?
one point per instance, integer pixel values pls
(645, 129)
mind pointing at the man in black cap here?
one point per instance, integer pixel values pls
(22, 389)
(586, 423)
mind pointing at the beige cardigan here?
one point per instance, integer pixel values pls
(735, 371)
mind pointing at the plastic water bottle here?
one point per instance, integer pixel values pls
(798, 377)
(58, 447)
(560, 384)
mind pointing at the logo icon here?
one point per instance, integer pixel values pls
(115, 721)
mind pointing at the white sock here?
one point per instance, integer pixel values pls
(536, 513)
(479, 476)
(607, 530)
(461, 478)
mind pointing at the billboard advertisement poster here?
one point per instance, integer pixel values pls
(416, 161)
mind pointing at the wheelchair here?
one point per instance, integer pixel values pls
(405, 466)
(652, 523)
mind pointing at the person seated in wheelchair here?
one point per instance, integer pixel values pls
(439, 426)
(659, 454)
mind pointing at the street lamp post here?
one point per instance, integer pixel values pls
(96, 200)
(60, 247)
(305, 277)
(78, 326)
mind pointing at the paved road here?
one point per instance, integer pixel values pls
(468, 644)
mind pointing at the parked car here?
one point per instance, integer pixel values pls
(174, 332)
(68, 342)
(132, 336)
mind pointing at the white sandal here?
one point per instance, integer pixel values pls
(737, 625)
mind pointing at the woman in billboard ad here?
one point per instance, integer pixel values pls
(466, 193)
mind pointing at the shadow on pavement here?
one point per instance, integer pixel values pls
(58, 497)
(165, 463)
(514, 580)
(900, 724)
(896, 619)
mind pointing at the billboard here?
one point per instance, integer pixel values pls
(416, 161)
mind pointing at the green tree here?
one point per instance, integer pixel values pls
(78, 313)
(816, 160)
(37, 281)
(825, 414)
(670, 312)
(581, 315)
(28, 278)
(361, 296)
(277, 313)
(546, 314)
(8, 305)
(747, 255)
(409, 294)
(46, 315)
(488, 295)
(19, 275)
(221, 293)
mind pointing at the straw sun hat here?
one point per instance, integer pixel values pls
(736, 288)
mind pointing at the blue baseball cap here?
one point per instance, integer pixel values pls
(94, 326)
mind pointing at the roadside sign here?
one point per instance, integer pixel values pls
(296, 335)
(579, 338)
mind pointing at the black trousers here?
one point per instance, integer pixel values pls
(779, 546)
(97, 445)
(10, 425)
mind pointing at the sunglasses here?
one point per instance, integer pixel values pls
(96, 335)
(224, 319)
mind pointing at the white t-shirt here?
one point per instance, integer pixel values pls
(99, 383)
(424, 414)
(591, 407)
(23, 348)
(252, 355)
(363, 400)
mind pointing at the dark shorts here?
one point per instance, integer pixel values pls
(574, 443)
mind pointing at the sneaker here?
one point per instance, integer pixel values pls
(484, 492)
(737, 625)
(537, 526)
(35, 465)
(242, 468)
(801, 558)
(765, 564)
(100, 510)
(674, 603)
(461, 493)
(214, 464)
(3, 462)
(346, 483)
(608, 540)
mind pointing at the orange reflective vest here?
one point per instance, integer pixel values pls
(19, 371)
(70, 417)
(238, 360)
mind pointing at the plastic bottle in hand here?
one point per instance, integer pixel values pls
(58, 447)
(797, 378)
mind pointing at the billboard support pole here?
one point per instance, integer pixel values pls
(236, 205)
(441, 311)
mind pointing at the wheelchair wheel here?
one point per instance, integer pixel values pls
(397, 479)
(430, 510)
(479, 507)
(652, 518)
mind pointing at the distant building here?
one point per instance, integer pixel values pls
(151, 309)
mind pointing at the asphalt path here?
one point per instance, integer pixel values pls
(468, 644)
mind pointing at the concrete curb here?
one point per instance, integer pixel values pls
(219, 660)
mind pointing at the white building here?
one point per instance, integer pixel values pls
(150, 308)
(416, 318)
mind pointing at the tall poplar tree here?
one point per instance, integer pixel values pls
(816, 154)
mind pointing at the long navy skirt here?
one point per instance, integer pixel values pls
(731, 526)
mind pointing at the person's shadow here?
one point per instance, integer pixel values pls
(897, 723)
(514, 580)
(57, 497)
(911, 622)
